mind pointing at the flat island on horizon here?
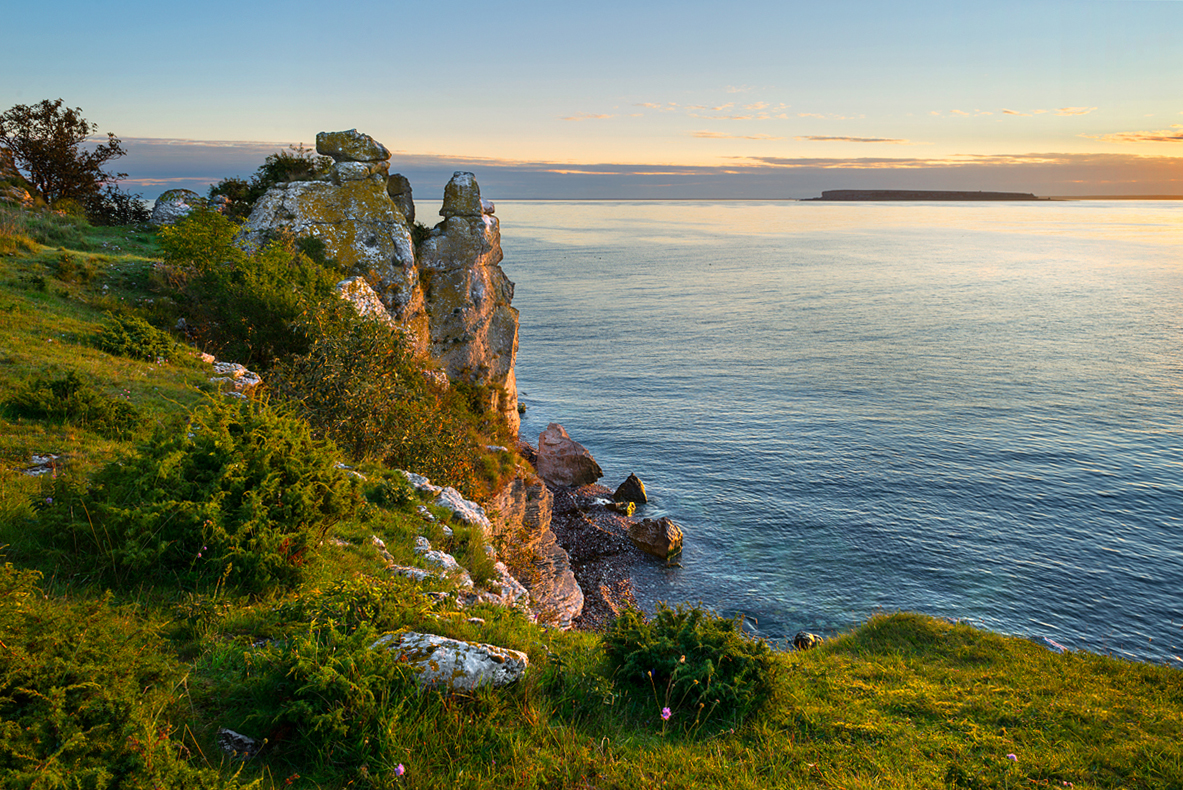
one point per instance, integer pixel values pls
(920, 194)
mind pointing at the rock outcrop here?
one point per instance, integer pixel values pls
(450, 295)
(359, 224)
(440, 662)
(564, 462)
(474, 330)
(173, 205)
(13, 186)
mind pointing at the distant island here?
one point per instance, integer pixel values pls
(919, 194)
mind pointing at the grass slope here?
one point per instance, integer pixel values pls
(128, 687)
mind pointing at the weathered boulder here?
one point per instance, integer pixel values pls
(351, 146)
(631, 490)
(455, 665)
(358, 293)
(806, 641)
(564, 462)
(235, 378)
(521, 529)
(474, 329)
(173, 205)
(399, 189)
(662, 538)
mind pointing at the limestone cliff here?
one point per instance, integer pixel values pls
(451, 295)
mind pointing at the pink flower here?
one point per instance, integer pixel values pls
(399, 770)
(665, 714)
(1012, 758)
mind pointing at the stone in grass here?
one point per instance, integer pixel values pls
(237, 746)
(454, 665)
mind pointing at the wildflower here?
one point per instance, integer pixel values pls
(399, 770)
(1012, 758)
(49, 500)
(665, 714)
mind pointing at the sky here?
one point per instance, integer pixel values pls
(637, 99)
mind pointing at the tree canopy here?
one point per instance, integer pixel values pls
(46, 142)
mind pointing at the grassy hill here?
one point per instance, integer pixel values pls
(190, 561)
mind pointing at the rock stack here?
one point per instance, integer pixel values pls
(450, 295)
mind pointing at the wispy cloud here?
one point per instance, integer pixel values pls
(1172, 135)
(1074, 110)
(724, 136)
(760, 105)
(584, 116)
(817, 138)
(739, 88)
(831, 116)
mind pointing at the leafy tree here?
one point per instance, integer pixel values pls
(46, 141)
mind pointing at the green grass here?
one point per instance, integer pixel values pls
(129, 686)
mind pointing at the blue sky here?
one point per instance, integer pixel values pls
(638, 99)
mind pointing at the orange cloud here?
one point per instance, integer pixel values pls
(583, 116)
(724, 136)
(815, 138)
(1074, 110)
(1172, 135)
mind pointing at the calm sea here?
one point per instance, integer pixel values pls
(972, 410)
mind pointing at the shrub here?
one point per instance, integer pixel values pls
(88, 695)
(243, 306)
(202, 239)
(361, 386)
(243, 492)
(690, 661)
(70, 399)
(131, 336)
(113, 206)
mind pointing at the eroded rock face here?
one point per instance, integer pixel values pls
(474, 329)
(399, 189)
(13, 186)
(521, 529)
(564, 462)
(358, 293)
(661, 538)
(452, 664)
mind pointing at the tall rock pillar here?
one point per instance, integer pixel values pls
(474, 330)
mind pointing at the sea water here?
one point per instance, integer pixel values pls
(971, 410)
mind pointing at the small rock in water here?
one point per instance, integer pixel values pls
(661, 538)
(806, 641)
(631, 490)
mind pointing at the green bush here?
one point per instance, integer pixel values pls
(697, 664)
(360, 386)
(242, 493)
(89, 696)
(131, 336)
(70, 399)
(244, 307)
(296, 164)
(202, 239)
